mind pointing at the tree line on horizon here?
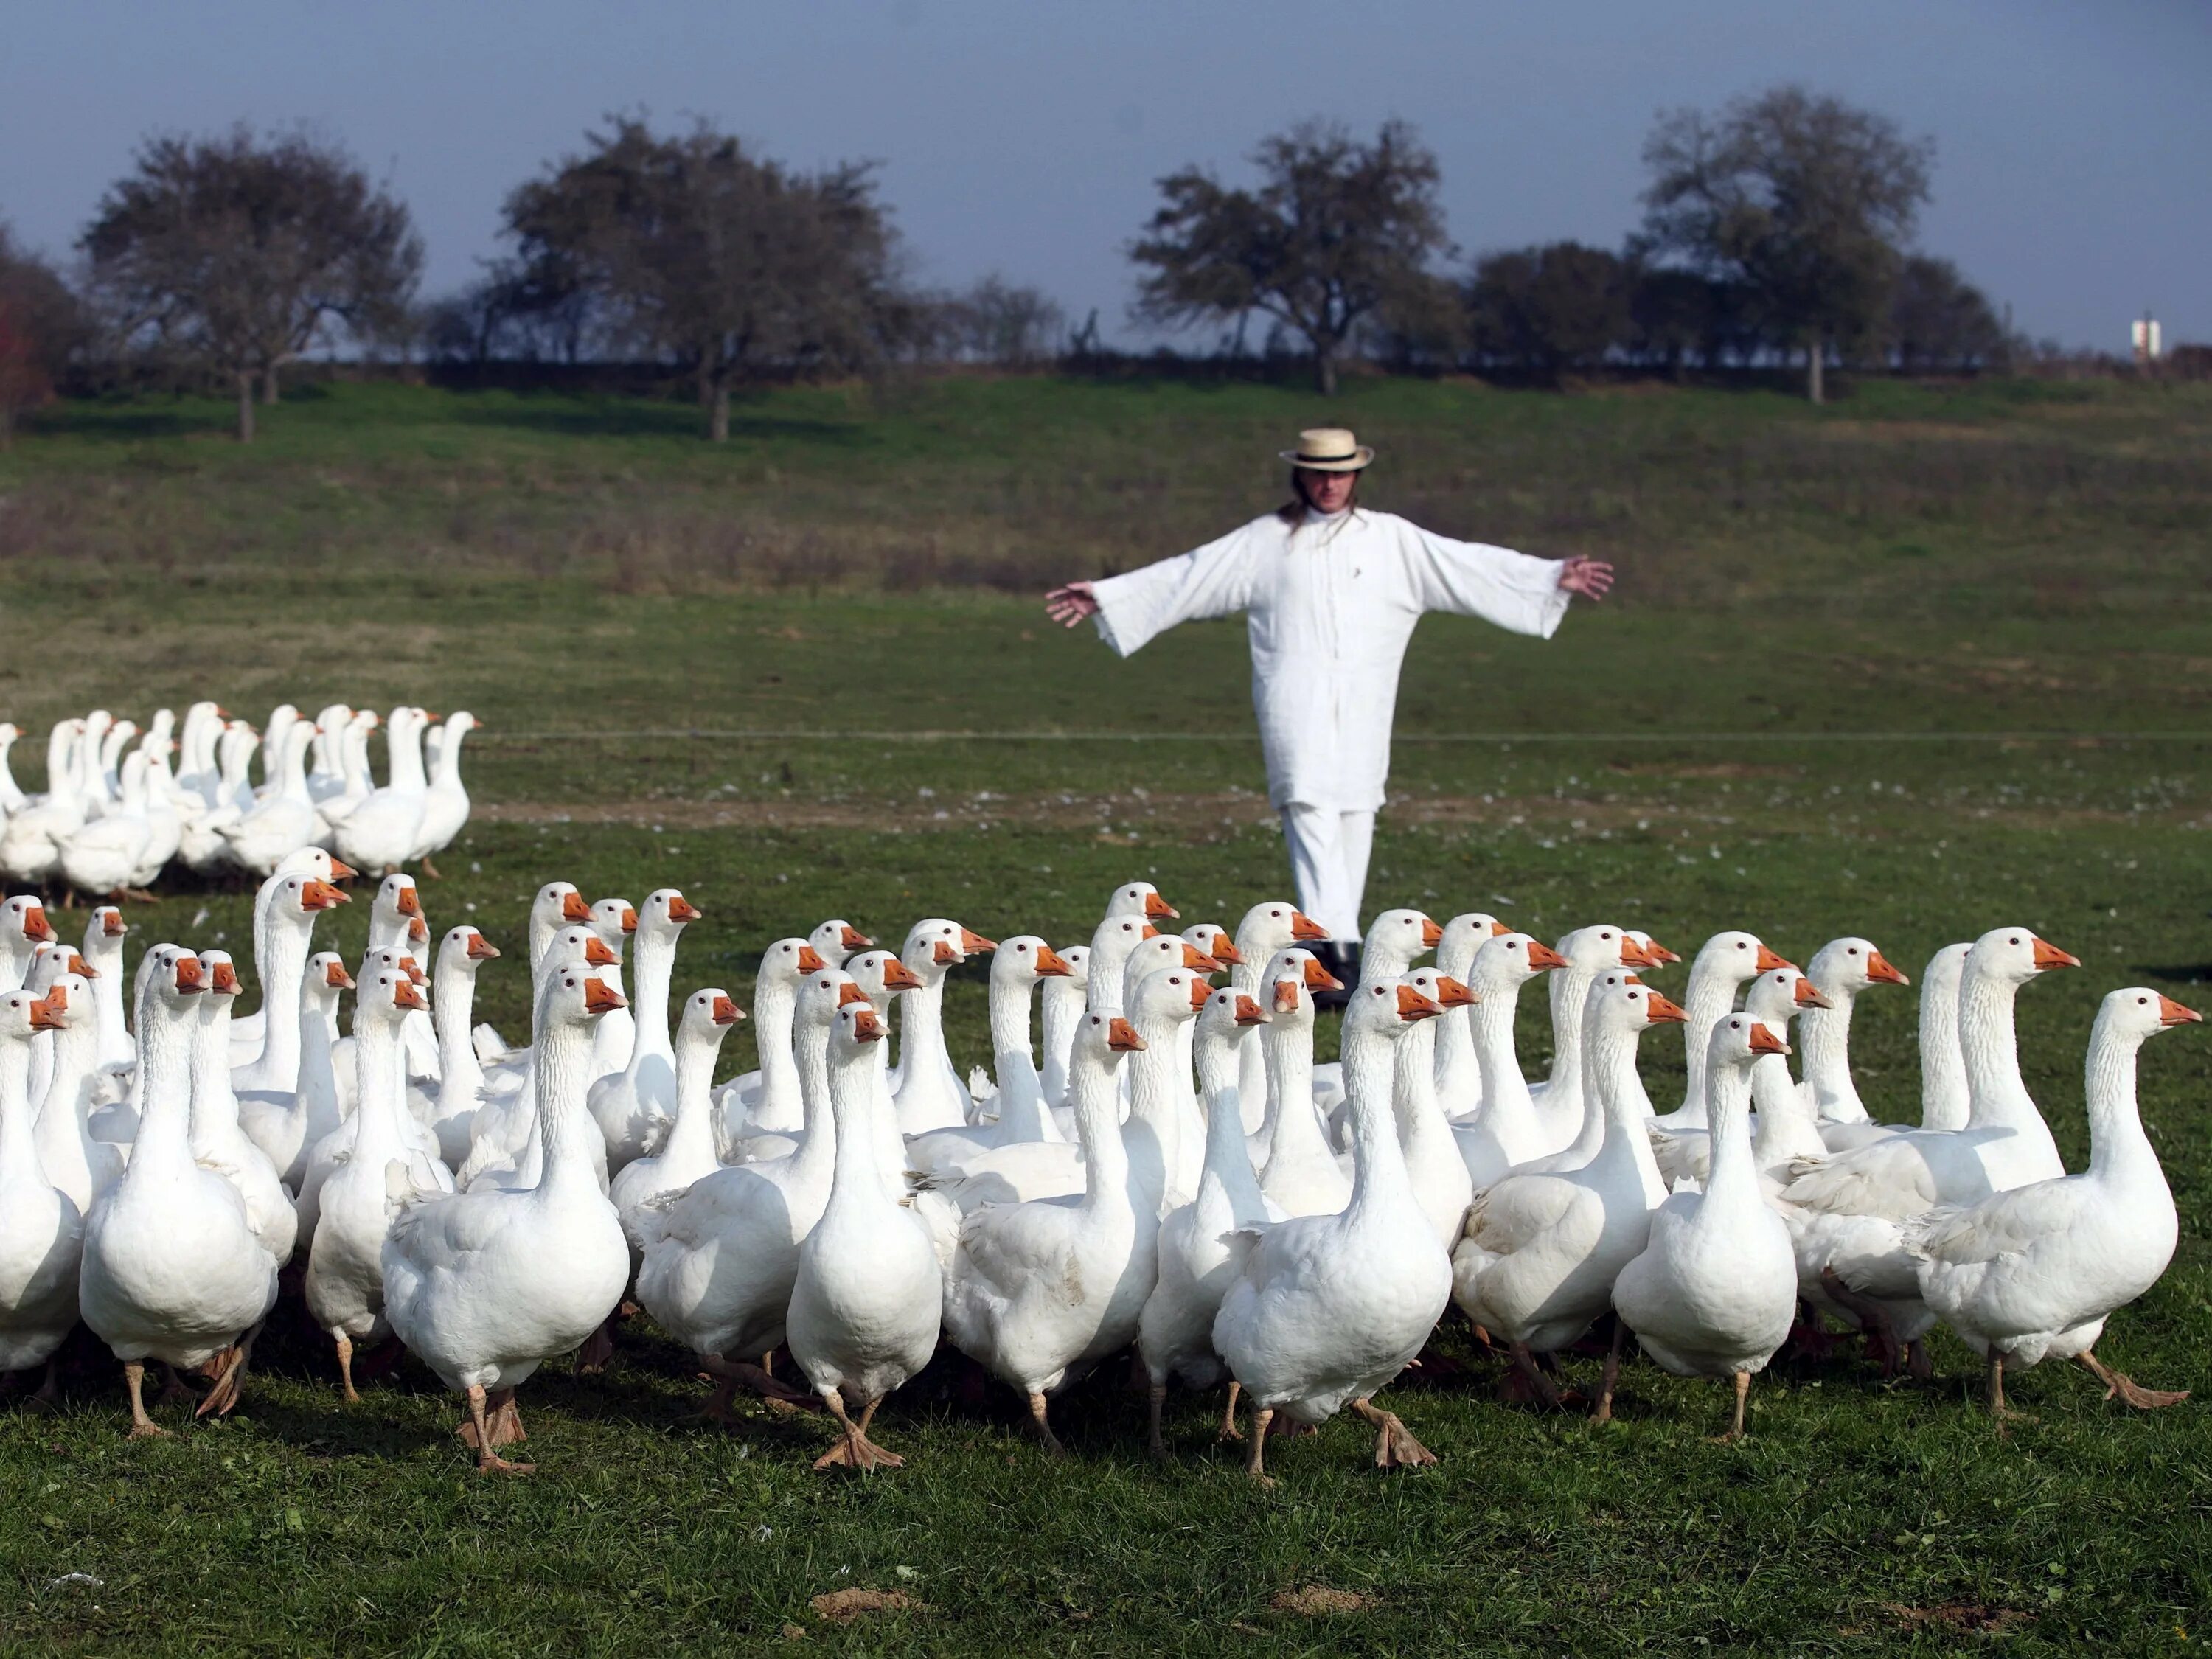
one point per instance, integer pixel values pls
(1777, 230)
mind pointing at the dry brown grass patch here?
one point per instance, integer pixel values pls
(844, 1606)
(1318, 1601)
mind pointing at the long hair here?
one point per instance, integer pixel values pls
(1293, 512)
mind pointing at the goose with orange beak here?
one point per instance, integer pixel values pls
(687, 1154)
(1506, 1132)
(926, 1090)
(1330, 1309)
(1844, 969)
(1724, 962)
(1020, 965)
(1299, 1173)
(1270, 926)
(635, 1107)
(1459, 1074)
(41, 1227)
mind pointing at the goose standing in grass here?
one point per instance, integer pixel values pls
(1061, 1001)
(926, 1089)
(103, 948)
(172, 1268)
(383, 832)
(767, 1101)
(635, 1107)
(1535, 1263)
(41, 1226)
(281, 819)
(1714, 1292)
(1506, 1132)
(1459, 1073)
(836, 941)
(2031, 1274)
(503, 1142)
(1038, 1292)
(867, 1300)
(344, 1280)
(73, 1160)
(217, 1141)
(687, 1154)
(1331, 1308)
(615, 920)
(1843, 969)
(1441, 1183)
(30, 842)
(453, 1100)
(446, 799)
(1587, 952)
(1017, 967)
(102, 857)
(1300, 1174)
(272, 1109)
(483, 1287)
(1202, 1245)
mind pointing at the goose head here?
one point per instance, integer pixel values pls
(1022, 960)
(1101, 1040)
(2135, 1013)
(316, 861)
(25, 1013)
(709, 1011)
(1142, 900)
(836, 939)
(221, 979)
(1394, 939)
(466, 949)
(1292, 976)
(68, 1001)
(856, 1028)
(935, 944)
(1388, 1008)
(788, 961)
(297, 900)
(177, 979)
(558, 904)
(1275, 925)
(1227, 1012)
(578, 945)
(390, 958)
(575, 996)
(396, 913)
(1621, 1002)
(326, 977)
(1166, 1000)
(1734, 957)
(1655, 955)
(1445, 990)
(1508, 960)
(821, 994)
(1738, 1039)
(1778, 996)
(104, 931)
(1213, 940)
(1845, 967)
(387, 997)
(1075, 964)
(24, 918)
(2015, 955)
(1600, 945)
(1159, 953)
(614, 920)
(881, 975)
(1463, 936)
(667, 911)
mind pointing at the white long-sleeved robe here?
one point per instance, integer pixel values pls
(1330, 607)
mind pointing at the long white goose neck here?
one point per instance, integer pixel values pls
(315, 1087)
(2119, 1149)
(1505, 1102)
(820, 1128)
(692, 1138)
(1733, 1179)
(1711, 996)
(1826, 1037)
(18, 1153)
(1788, 1126)
(1944, 1092)
(1597, 1088)
(1991, 1048)
(1094, 1091)
(1228, 1160)
(560, 1070)
(1378, 1179)
(1610, 1051)
(454, 989)
(163, 1147)
(381, 1085)
(449, 757)
(76, 1056)
(1287, 1046)
(921, 1040)
(652, 965)
(1413, 1089)
(214, 1107)
(1570, 993)
(855, 1177)
(280, 953)
(1021, 1115)
(404, 740)
(775, 1000)
(1062, 1004)
(1153, 1138)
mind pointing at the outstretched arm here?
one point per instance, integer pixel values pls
(1070, 605)
(1591, 577)
(1214, 580)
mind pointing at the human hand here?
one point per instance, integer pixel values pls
(1070, 605)
(1591, 577)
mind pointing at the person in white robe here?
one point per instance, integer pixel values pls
(1330, 592)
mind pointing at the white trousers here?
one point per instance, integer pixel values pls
(1328, 865)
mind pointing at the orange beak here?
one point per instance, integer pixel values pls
(629, 918)
(1542, 954)
(223, 981)
(481, 949)
(1149, 931)
(1412, 1005)
(597, 955)
(848, 993)
(1225, 953)
(1499, 930)
(1200, 991)
(405, 995)
(867, 1027)
(600, 998)
(412, 968)
(79, 966)
(1453, 994)
(1807, 994)
(725, 1012)
(1662, 1011)
(1198, 962)
(112, 925)
(189, 977)
(58, 996)
(337, 978)
(854, 939)
(1768, 962)
(340, 870)
(1159, 908)
(572, 907)
(2169, 1012)
(408, 903)
(1250, 1012)
(1432, 935)
(943, 953)
(1121, 1036)
(1050, 964)
(46, 1013)
(2048, 956)
(1880, 972)
(682, 909)
(976, 945)
(1660, 955)
(810, 960)
(1304, 929)
(321, 896)
(418, 930)
(1318, 978)
(35, 924)
(898, 976)
(1286, 996)
(1764, 1042)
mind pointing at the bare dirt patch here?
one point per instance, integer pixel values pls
(1956, 1616)
(843, 1606)
(1318, 1601)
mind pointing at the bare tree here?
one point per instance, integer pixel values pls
(1335, 233)
(242, 251)
(1806, 201)
(729, 264)
(41, 327)
(1009, 324)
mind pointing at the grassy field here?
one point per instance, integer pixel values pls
(1929, 660)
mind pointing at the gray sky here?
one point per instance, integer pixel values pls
(2074, 172)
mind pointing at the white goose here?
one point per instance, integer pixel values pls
(30, 842)
(103, 856)
(1587, 952)
(1299, 1173)
(1331, 1308)
(171, 1270)
(1459, 1073)
(451, 1102)
(926, 1090)
(2031, 1274)
(1039, 1292)
(1202, 1245)
(836, 941)
(12, 798)
(104, 933)
(1535, 1264)
(446, 801)
(383, 832)
(1270, 926)
(767, 1102)
(506, 1148)
(1725, 961)
(634, 1107)
(41, 1226)
(1843, 969)
(687, 1154)
(1506, 1130)
(200, 842)
(272, 1109)
(73, 1161)
(1442, 1186)
(868, 1298)
(1017, 967)
(344, 1280)
(1773, 999)
(217, 1141)
(1714, 1292)
(486, 1286)
(281, 820)
(615, 920)
(1061, 1004)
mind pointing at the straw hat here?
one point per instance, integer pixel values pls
(1329, 449)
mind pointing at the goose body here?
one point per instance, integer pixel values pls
(281, 820)
(688, 1153)
(70, 1158)
(1505, 1132)
(383, 831)
(635, 1107)
(41, 1227)
(217, 1141)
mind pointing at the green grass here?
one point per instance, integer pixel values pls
(1913, 562)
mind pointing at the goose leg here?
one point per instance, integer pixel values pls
(1917, 1365)
(1257, 1448)
(1736, 1423)
(1156, 1397)
(429, 869)
(2119, 1385)
(1532, 1378)
(598, 1350)
(1873, 1317)
(1044, 1430)
(223, 1397)
(756, 1377)
(142, 1427)
(1394, 1445)
(855, 1450)
(1229, 1428)
(477, 1433)
(345, 1368)
(175, 1391)
(1603, 1412)
(507, 1428)
(49, 1394)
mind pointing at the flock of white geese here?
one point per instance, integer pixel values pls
(1170, 1172)
(115, 813)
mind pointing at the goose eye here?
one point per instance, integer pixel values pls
(1851, 949)
(1605, 935)
(2016, 939)
(2142, 1001)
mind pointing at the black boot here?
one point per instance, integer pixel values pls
(1342, 961)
